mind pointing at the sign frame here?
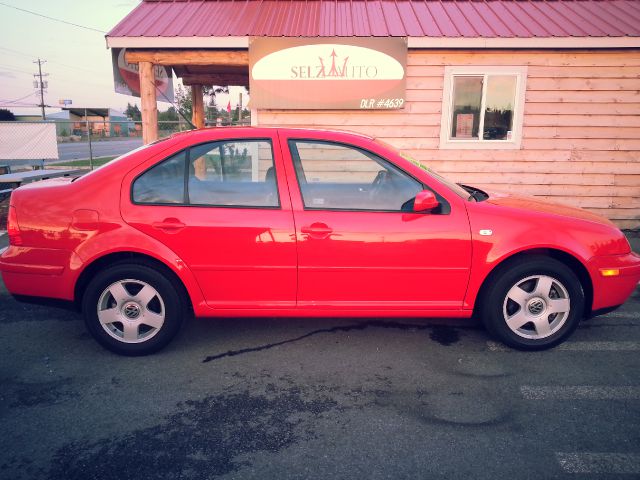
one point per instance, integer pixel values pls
(328, 73)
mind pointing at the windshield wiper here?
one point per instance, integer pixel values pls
(475, 193)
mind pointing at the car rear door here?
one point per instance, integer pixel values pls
(223, 207)
(360, 246)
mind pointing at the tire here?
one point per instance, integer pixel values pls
(133, 309)
(532, 303)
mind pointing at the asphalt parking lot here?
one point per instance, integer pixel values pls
(317, 399)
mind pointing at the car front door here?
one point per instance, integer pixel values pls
(360, 245)
(224, 209)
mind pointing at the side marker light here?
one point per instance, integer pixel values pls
(609, 272)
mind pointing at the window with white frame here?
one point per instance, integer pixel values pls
(482, 107)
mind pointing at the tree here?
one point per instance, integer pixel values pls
(215, 90)
(6, 115)
(170, 115)
(183, 102)
(246, 115)
(133, 112)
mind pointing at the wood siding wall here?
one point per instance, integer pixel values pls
(581, 133)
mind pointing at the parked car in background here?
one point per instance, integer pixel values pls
(293, 222)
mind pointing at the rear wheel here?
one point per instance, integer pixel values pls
(532, 303)
(133, 309)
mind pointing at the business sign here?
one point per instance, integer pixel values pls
(127, 80)
(328, 73)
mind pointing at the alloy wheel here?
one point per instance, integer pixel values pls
(131, 311)
(536, 307)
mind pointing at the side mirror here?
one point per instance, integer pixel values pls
(425, 200)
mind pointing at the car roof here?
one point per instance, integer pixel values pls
(283, 129)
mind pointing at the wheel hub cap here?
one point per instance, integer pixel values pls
(131, 310)
(536, 306)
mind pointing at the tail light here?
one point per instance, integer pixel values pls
(13, 229)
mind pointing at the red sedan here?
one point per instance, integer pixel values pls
(292, 222)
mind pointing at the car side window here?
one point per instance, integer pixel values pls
(233, 173)
(229, 173)
(163, 183)
(340, 177)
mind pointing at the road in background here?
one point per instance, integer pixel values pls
(109, 148)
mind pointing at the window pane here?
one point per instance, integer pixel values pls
(467, 99)
(340, 177)
(163, 183)
(498, 116)
(235, 173)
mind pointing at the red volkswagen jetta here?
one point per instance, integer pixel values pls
(291, 222)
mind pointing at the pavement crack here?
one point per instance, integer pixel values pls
(345, 328)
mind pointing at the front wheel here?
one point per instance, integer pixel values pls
(532, 303)
(132, 309)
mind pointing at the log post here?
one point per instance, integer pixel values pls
(149, 103)
(197, 118)
(189, 57)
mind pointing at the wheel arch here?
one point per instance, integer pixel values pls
(570, 261)
(106, 260)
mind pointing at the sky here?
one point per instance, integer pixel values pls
(78, 60)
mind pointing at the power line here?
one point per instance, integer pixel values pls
(72, 80)
(27, 55)
(75, 67)
(17, 99)
(95, 82)
(15, 51)
(52, 18)
(11, 67)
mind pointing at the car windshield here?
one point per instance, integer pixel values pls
(457, 189)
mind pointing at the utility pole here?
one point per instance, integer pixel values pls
(86, 118)
(41, 85)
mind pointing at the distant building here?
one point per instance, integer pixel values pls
(105, 122)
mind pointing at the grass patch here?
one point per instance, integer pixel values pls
(85, 163)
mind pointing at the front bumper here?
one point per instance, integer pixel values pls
(613, 290)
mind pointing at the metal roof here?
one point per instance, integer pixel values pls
(381, 18)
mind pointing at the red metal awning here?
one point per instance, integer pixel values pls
(381, 18)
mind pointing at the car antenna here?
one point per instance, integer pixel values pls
(174, 106)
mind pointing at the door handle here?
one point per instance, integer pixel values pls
(317, 230)
(169, 225)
